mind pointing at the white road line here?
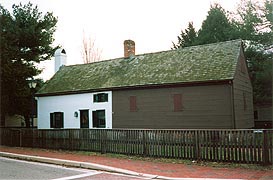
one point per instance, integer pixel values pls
(78, 176)
(131, 176)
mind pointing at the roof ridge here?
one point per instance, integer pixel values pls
(157, 52)
(221, 42)
(119, 58)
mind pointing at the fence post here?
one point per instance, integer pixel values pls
(265, 149)
(144, 143)
(71, 143)
(33, 145)
(197, 145)
(20, 137)
(103, 140)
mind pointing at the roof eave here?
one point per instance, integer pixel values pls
(146, 86)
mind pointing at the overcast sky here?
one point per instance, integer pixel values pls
(152, 24)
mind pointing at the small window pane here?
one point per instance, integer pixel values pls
(101, 97)
(58, 120)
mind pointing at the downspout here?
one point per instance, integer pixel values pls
(233, 122)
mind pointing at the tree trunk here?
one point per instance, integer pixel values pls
(27, 121)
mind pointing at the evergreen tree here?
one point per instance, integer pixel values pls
(254, 21)
(260, 69)
(216, 27)
(254, 24)
(26, 39)
(186, 38)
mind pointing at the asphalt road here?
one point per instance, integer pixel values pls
(17, 169)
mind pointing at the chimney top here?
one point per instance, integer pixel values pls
(59, 52)
(129, 48)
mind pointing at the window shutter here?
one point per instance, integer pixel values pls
(62, 120)
(177, 102)
(133, 105)
(52, 120)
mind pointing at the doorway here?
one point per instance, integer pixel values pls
(84, 118)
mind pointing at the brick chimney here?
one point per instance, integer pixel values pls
(129, 48)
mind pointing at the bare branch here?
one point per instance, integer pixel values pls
(90, 53)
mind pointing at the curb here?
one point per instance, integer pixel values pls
(76, 164)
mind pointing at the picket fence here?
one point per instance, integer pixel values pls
(236, 146)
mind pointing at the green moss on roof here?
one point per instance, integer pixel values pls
(192, 64)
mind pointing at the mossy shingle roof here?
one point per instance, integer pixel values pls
(211, 62)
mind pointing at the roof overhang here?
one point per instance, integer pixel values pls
(146, 86)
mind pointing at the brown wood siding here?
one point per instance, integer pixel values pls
(203, 107)
(243, 96)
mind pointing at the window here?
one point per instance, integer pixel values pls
(100, 97)
(133, 105)
(177, 102)
(57, 120)
(99, 119)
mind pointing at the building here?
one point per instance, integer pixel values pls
(206, 86)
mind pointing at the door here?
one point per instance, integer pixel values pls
(84, 118)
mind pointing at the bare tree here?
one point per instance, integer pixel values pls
(90, 53)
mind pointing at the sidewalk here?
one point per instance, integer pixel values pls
(174, 170)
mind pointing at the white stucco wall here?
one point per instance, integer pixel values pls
(69, 104)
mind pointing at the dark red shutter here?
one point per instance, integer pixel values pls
(133, 105)
(177, 102)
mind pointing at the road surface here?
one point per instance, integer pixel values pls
(17, 169)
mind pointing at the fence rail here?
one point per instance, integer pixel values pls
(236, 146)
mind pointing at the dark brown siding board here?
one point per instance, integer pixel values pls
(203, 107)
(244, 118)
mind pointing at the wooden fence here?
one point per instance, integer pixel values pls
(236, 146)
